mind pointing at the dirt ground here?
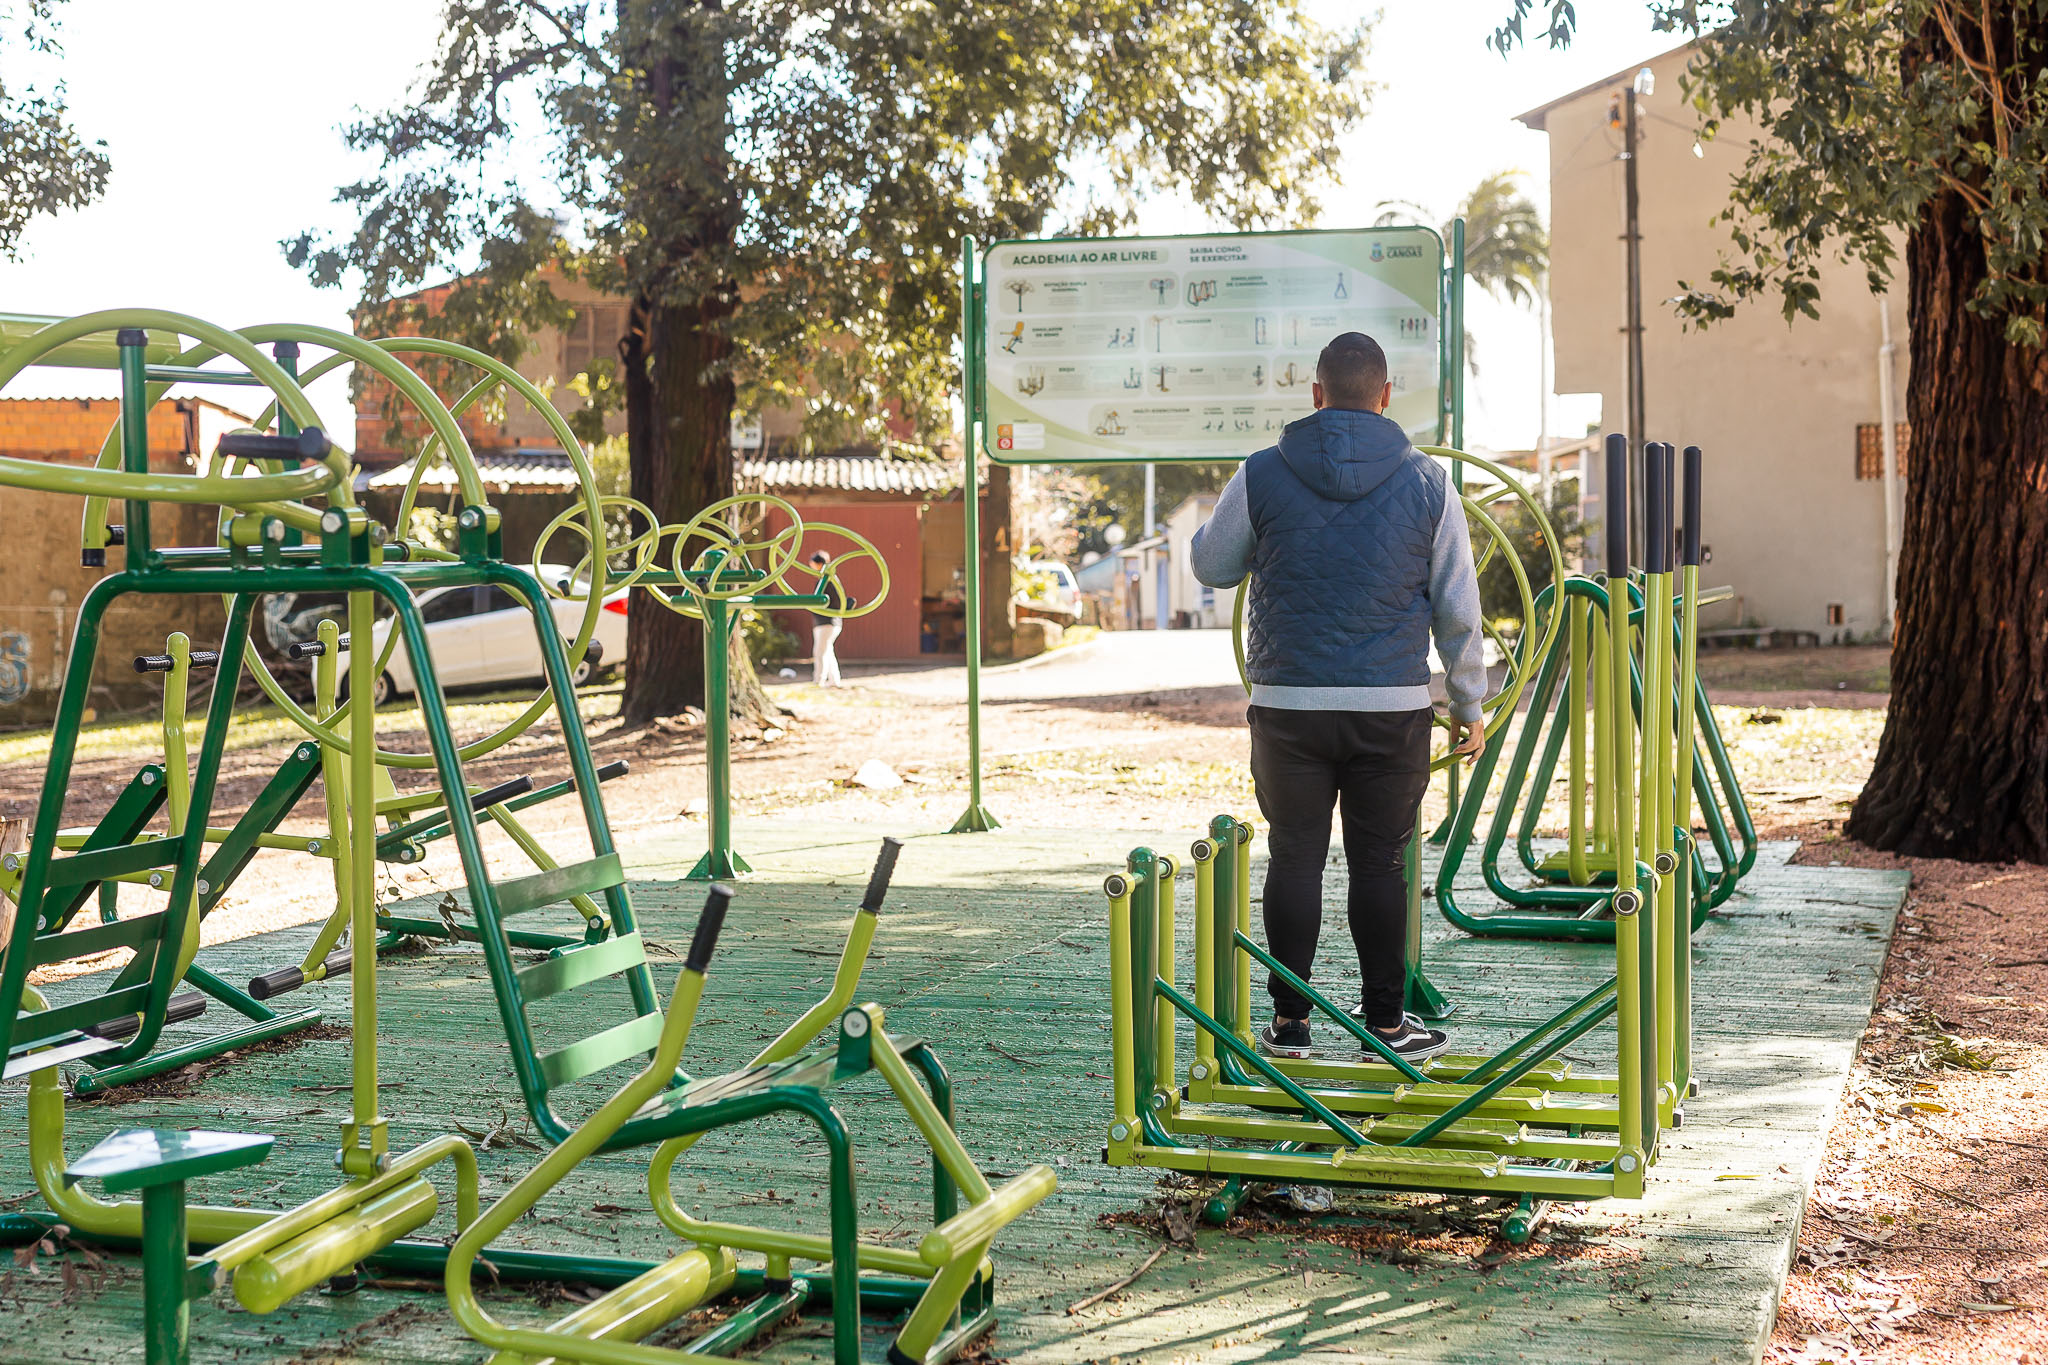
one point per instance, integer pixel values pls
(1927, 1237)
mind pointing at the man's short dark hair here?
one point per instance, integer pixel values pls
(1352, 370)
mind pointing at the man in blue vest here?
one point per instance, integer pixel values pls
(1357, 550)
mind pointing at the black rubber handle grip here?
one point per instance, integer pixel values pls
(1656, 500)
(594, 653)
(291, 978)
(117, 535)
(161, 663)
(310, 444)
(878, 880)
(304, 649)
(616, 768)
(1692, 506)
(189, 1005)
(1670, 507)
(504, 791)
(1614, 512)
(709, 925)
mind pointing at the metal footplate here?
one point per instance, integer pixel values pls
(1407, 1163)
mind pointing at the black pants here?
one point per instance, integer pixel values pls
(1303, 763)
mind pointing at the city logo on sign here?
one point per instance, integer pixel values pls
(1376, 252)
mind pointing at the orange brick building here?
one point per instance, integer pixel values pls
(41, 580)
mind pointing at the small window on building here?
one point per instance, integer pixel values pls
(1834, 613)
(593, 334)
(1870, 449)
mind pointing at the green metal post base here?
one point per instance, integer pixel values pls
(395, 929)
(1520, 1225)
(1425, 1000)
(975, 820)
(170, 1059)
(720, 865)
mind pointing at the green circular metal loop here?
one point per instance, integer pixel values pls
(380, 355)
(1521, 660)
(102, 481)
(347, 349)
(645, 548)
(863, 548)
(709, 524)
(781, 548)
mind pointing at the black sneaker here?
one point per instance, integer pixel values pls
(1413, 1043)
(1359, 1012)
(1286, 1038)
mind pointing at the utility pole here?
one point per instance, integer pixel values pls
(1161, 581)
(1643, 84)
(1543, 472)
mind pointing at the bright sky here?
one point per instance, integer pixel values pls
(222, 128)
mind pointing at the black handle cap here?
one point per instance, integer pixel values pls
(304, 649)
(310, 444)
(504, 791)
(1614, 510)
(1692, 505)
(878, 880)
(276, 983)
(185, 1006)
(1656, 501)
(709, 924)
(285, 979)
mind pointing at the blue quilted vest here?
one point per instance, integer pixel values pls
(1345, 511)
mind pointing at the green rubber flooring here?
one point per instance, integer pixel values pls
(992, 947)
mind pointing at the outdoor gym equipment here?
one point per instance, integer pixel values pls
(1521, 1122)
(1574, 885)
(947, 1283)
(272, 540)
(154, 788)
(412, 821)
(713, 584)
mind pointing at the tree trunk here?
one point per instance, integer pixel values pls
(1962, 769)
(998, 543)
(679, 401)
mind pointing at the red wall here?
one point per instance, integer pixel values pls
(890, 631)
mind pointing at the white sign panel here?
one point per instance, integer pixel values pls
(1177, 348)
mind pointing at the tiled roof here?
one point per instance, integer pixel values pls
(506, 471)
(857, 473)
(549, 471)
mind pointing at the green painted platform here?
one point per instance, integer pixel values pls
(993, 947)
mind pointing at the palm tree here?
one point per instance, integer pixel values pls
(1507, 248)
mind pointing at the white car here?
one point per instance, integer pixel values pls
(481, 635)
(1063, 593)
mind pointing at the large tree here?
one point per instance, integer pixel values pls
(1927, 117)
(45, 164)
(780, 188)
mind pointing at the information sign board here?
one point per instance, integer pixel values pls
(1179, 348)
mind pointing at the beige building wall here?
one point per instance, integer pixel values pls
(1773, 407)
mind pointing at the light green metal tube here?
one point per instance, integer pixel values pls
(975, 1227)
(645, 1305)
(266, 1282)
